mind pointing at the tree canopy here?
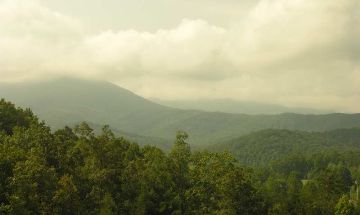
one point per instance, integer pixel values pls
(78, 171)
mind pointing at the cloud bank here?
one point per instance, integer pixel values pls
(298, 53)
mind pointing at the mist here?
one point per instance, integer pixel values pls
(299, 53)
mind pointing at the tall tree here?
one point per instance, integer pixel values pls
(180, 156)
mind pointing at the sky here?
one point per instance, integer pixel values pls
(301, 53)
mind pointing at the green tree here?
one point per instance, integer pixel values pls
(33, 184)
(219, 186)
(66, 197)
(10, 117)
(344, 206)
(108, 206)
(180, 156)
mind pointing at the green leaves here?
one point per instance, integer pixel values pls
(345, 206)
(11, 117)
(75, 171)
(219, 186)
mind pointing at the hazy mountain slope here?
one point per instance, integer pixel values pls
(261, 147)
(163, 144)
(69, 101)
(66, 101)
(232, 106)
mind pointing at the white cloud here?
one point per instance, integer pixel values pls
(35, 41)
(299, 52)
(177, 52)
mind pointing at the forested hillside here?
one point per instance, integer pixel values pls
(323, 183)
(261, 147)
(64, 102)
(75, 171)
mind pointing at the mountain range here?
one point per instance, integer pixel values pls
(68, 101)
(234, 106)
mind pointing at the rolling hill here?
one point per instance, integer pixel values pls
(68, 101)
(261, 147)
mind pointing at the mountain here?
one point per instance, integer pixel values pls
(161, 143)
(233, 106)
(69, 101)
(261, 147)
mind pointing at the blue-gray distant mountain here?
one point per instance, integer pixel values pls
(70, 101)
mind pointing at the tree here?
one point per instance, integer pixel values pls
(344, 206)
(180, 156)
(84, 130)
(66, 197)
(32, 184)
(10, 117)
(219, 186)
(108, 206)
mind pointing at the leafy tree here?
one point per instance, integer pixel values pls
(180, 156)
(108, 206)
(344, 206)
(10, 117)
(66, 197)
(33, 184)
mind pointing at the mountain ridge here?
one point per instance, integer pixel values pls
(69, 101)
(237, 107)
(261, 147)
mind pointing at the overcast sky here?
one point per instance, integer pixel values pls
(302, 53)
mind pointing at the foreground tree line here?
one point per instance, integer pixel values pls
(75, 171)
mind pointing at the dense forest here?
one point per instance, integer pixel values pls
(75, 171)
(261, 147)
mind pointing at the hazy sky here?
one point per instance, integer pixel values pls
(291, 52)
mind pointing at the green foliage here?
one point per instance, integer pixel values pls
(219, 186)
(108, 206)
(344, 206)
(261, 147)
(75, 171)
(10, 117)
(80, 171)
(180, 155)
